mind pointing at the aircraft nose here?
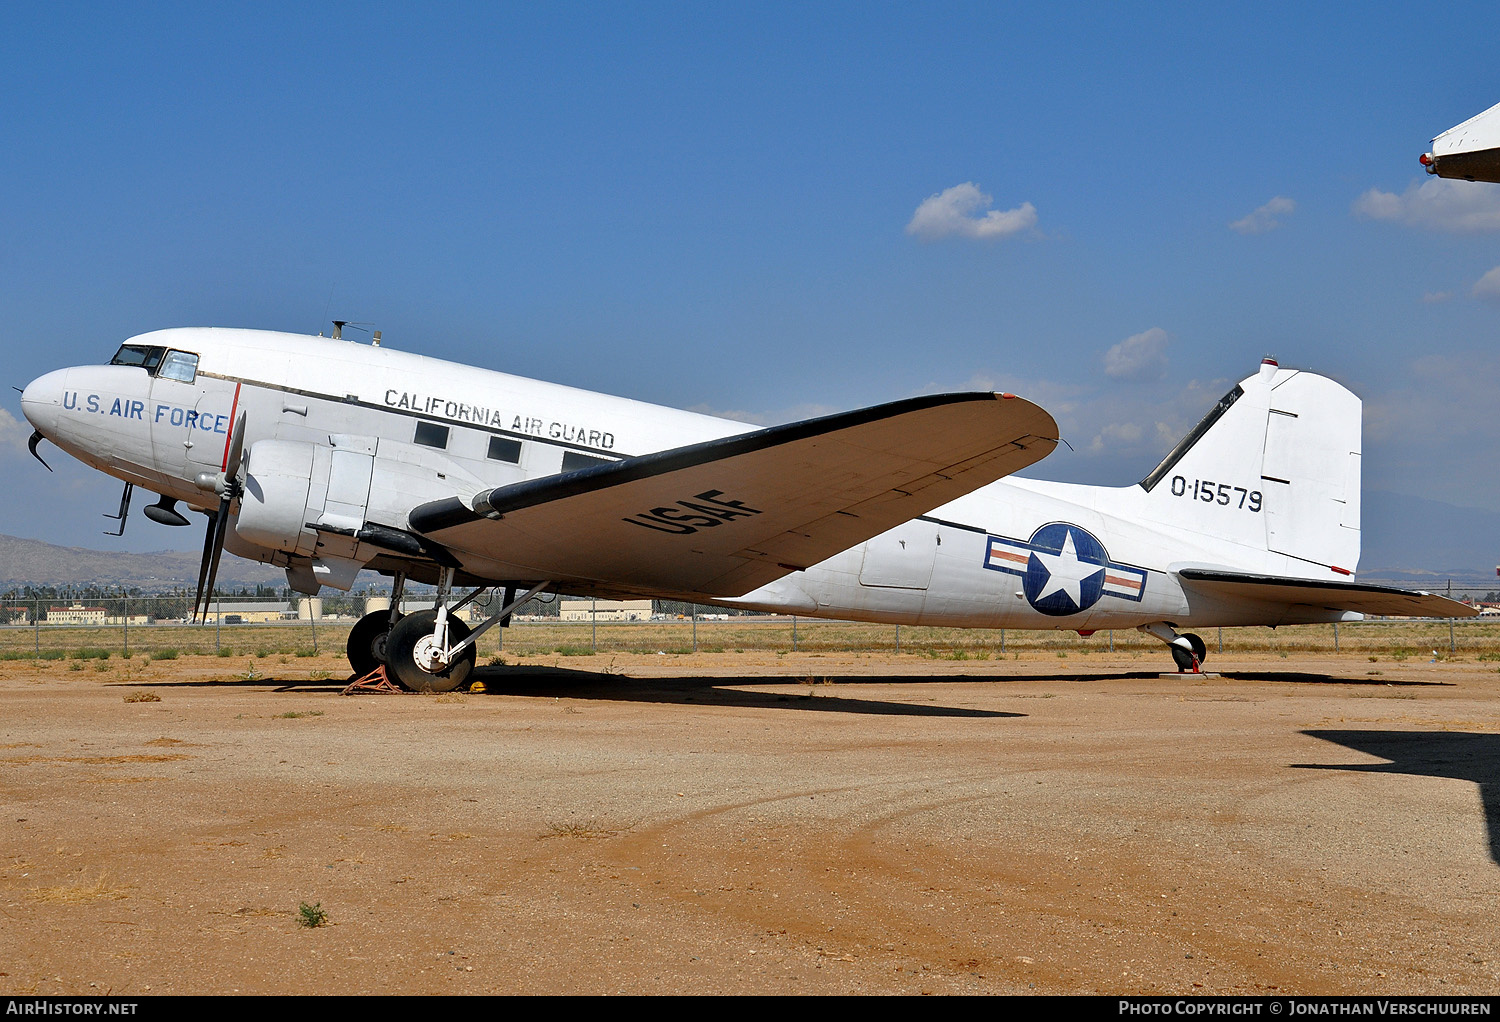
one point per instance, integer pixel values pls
(41, 401)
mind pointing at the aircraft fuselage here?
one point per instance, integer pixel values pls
(401, 429)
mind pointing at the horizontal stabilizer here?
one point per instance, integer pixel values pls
(727, 516)
(1386, 601)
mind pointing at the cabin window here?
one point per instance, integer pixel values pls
(504, 449)
(431, 434)
(148, 358)
(573, 461)
(179, 365)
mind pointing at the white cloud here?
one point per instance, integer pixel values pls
(1488, 286)
(1438, 204)
(1114, 435)
(956, 212)
(1142, 356)
(14, 433)
(1433, 297)
(1265, 218)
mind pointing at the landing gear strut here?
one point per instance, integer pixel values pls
(433, 651)
(1188, 650)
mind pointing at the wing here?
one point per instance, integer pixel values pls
(724, 517)
(1332, 595)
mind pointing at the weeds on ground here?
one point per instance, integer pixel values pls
(311, 916)
(143, 697)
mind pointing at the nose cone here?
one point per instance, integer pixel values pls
(41, 401)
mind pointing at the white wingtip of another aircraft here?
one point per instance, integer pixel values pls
(1469, 151)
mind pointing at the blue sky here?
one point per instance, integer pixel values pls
(1123, 208)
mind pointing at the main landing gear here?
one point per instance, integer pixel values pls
(1188, 650)
(430, 650)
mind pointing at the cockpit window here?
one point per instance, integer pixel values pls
(171, 365)
(179, 365)
(138, 355)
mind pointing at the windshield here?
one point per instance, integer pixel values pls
(138, 355)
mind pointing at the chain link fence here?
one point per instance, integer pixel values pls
(159, 627)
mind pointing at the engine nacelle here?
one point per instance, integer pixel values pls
(290, 484)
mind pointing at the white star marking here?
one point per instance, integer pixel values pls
(1065, 572)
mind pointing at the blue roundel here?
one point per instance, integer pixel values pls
(1065, 574)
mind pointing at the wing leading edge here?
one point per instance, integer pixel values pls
(1333, 595)
(724, 517)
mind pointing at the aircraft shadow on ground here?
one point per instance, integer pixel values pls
(715, 691)
(1459, 755)
(702, 691)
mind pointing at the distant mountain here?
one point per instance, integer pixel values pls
(30, 561)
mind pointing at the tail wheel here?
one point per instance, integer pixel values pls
(414, 631)
(367, 639)
(1189, 660)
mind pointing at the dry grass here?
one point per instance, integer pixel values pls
(81, 894)
(589, 830)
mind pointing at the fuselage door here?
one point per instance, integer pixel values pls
(190, 417)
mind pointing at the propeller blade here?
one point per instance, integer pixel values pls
(36, 438)
(221, 523)
(208, 551)
(236, 448)
(213, 538)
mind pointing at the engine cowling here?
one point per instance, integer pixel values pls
(290, 484)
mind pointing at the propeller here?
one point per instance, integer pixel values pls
(228, 485)
(36, 438)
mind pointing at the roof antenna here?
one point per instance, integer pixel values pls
(338, 329)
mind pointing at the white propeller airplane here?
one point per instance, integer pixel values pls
(327, 457)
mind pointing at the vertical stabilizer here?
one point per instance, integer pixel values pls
(1274, 466)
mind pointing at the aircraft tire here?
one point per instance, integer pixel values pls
(1183, 658)
(367, 639)
(401, 647)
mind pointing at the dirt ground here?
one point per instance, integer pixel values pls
(753, 823)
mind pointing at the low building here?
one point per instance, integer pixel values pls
(77, 614)
(606, 610)
(250, 612)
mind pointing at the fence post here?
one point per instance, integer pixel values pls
(36, 626)
(1111, 640)
(695, 627)
(125, 616)
(1450, 620)
(218, 621)
(898, 638)
(1002, 640)
(794, 633)
(1221, 639)
(594, 618)
(1335, 636)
